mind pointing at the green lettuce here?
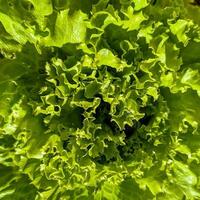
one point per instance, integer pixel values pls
(99, 100)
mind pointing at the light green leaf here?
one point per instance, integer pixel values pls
(134, 19)
(106, 57)
(139, 4)
(65, 28)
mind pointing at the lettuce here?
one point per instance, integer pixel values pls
(99, 100)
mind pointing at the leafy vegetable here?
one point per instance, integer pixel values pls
(99, 100)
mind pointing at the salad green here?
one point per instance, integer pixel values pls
(99, 99)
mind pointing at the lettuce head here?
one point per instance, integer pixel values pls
(99, 100)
